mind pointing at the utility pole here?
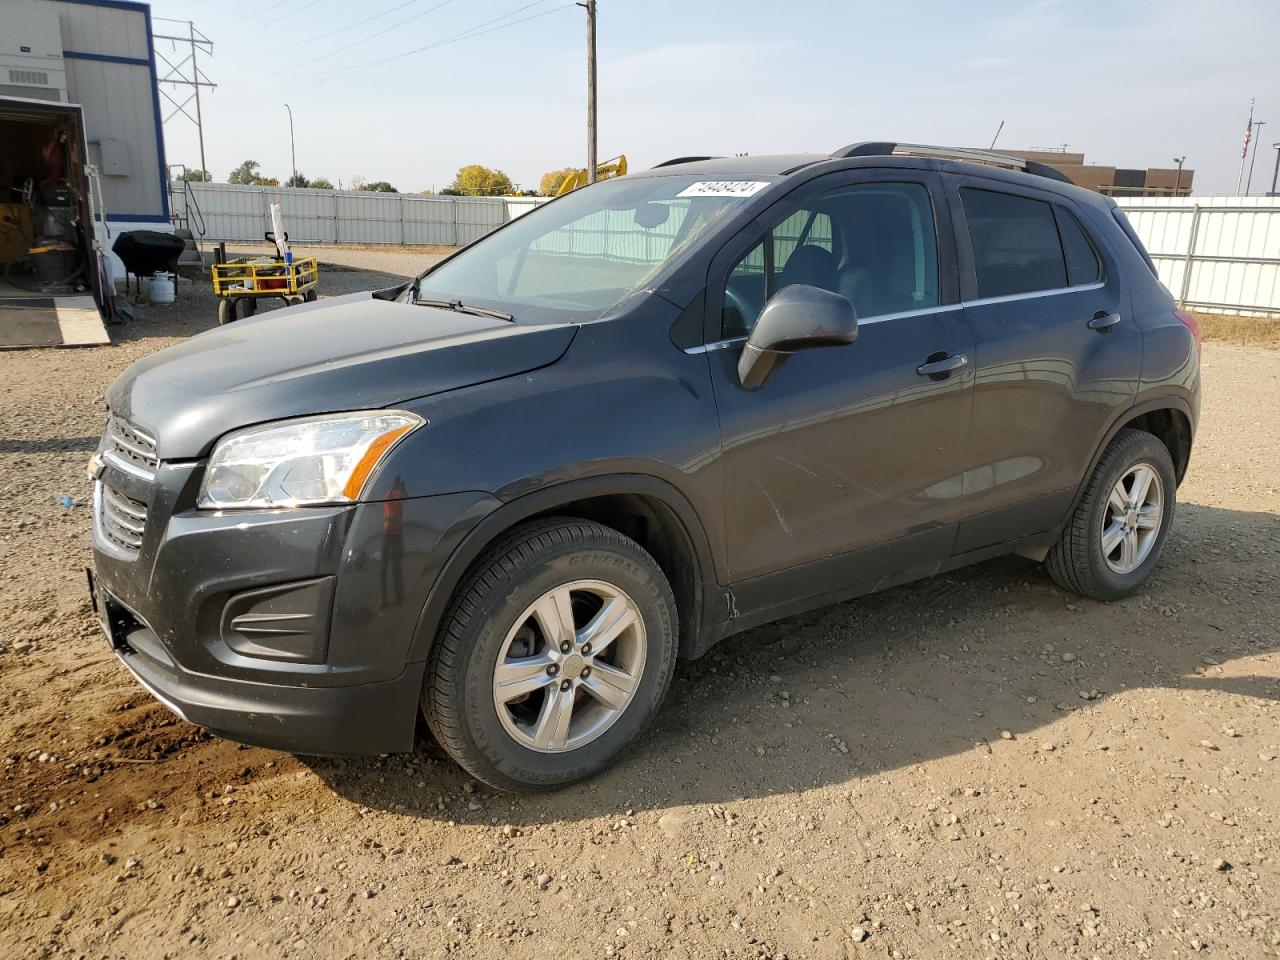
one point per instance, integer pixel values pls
(590, 7)
(1275, 175)
(293, 155)
(1177, 184)
(1248, 188)
(177, 76)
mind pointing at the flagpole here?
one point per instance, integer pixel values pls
(1248, 130)
(1257, 136)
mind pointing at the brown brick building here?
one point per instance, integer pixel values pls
(1112, 181)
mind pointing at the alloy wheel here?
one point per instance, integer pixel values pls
(569, 666)
(1132, 518)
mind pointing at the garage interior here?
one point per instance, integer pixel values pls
(50, 275)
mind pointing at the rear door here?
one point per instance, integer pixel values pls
(843, 448)
(1056, 353)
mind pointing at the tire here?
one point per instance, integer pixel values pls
(248, 307)
(226, 311)
(498, 614)
(1084, 560)
(311, 296)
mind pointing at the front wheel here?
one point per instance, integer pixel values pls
(1115, 535)
(554, 656)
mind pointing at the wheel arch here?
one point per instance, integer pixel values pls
(1168, 418)
(647, 509)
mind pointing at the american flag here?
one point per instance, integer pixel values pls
(1248, 135)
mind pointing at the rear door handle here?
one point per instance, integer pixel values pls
(943, 365)
(1103, 321)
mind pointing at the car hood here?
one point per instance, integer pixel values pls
(348, 353)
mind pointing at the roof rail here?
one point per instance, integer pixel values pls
(674, 160)
(883, 149)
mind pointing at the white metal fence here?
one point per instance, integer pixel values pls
(241, 213)
(1213, 253)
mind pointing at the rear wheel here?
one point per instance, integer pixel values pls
(1116, 533)
(248, 306)
(554, 656)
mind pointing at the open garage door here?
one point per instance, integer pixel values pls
(52, 290)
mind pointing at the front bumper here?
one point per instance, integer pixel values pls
(171, 608)
(358, 719)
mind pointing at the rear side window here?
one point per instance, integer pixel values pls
(1083, 264)
(1015, 243)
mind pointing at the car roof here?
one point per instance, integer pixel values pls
(771, 165)
(785, 164)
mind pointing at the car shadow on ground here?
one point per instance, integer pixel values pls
(56, 445)
(930, 669)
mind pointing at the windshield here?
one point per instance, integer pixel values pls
(580, 255)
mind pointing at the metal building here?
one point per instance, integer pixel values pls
(99, 54)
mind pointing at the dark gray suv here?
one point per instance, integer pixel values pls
(660, 410)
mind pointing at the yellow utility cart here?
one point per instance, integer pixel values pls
(239, 284)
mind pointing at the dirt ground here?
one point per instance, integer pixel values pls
(977, 765)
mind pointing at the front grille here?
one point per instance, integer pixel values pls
(130, 449)
(121, 519)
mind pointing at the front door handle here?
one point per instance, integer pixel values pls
(943, 365)
(1103, 321)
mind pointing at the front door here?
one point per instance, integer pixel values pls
(853, 446)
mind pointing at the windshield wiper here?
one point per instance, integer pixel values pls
(459, 307)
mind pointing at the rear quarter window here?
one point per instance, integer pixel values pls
(1083, 263)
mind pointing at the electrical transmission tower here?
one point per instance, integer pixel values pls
(184, 76)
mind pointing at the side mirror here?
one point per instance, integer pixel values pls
(797, 317)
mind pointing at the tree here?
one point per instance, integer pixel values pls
(247, 172)
(320, 183)
(553, 179)
(297, 180)
(379, 186)
(474, 180)
(197, 176)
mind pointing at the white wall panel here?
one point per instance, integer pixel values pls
(235, 212)
(1213, 252)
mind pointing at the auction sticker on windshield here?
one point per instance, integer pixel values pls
(723, 188)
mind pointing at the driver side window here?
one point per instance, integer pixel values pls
(873, 243)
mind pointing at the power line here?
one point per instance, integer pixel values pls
(239, 24)
(347, 46)
(346, 27)
(476, 31)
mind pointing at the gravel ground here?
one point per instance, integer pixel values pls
(978, 764)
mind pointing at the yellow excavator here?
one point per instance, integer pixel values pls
(617, 167)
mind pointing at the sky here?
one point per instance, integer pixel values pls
(410, 90)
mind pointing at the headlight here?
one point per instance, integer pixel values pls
(294, 463)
